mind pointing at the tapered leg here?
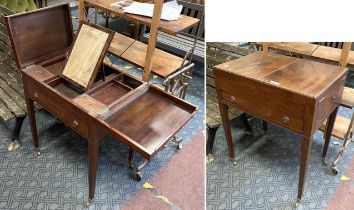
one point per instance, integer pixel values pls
(245, 122)
(32, 121)
(328, 132)
(305, 154)
(224, 110)
(92, 161)
(265, 126)
(211, 138)
(16, 133)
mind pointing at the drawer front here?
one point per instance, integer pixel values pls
(58, 106)
(328, 101)
(259, 100)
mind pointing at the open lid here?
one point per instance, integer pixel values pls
(41, 34)
(86, 55)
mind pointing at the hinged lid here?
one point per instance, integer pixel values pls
(86, 55)
(41, 34)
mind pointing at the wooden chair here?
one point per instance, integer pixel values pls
(343, 127)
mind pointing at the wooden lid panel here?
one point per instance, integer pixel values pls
(41, 34)
(256, 65)
(305, 77)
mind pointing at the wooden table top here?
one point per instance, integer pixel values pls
(171, 27)
(301, 76)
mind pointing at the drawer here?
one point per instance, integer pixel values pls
(59, 107)
(285, 113)
(328, 101)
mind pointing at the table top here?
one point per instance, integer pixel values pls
(301, 76)
(171, 27)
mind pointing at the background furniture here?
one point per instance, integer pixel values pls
(40, 3)
(18, 6)
(12, 102)
(218, 53)
(176, 71)
(293, 93)
(183, 42)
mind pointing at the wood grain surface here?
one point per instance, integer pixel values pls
(85, 54)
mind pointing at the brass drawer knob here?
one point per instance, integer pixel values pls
(285, 119)
(75, 124)
(35, 95)
(232, 98)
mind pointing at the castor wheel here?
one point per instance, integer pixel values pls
(334, 171)
(37, 152)
(180, 145)
(138, 176)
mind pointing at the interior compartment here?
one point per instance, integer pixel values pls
(56, 66)
(64, 87)
(114, 89)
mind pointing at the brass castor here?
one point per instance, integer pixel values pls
(233, 160)
(297, 203)
(209, 158)
(89, 202)
(324, 161)
(334, 170)
(138, 176)
(37, 152)
(13, 145)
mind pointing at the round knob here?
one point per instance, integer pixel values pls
(75, 124)
(35, 95)
(285, 119)
(233, 98)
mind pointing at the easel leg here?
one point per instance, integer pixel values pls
(224, 110)
(92, 161)
(305, 153)
(32, 121)
(15, 143)
(328, 133)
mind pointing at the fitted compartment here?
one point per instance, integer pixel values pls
(113, 90)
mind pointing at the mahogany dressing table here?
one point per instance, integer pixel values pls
(59, 73)
(293, 93)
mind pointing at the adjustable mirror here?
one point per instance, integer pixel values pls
(86, 55)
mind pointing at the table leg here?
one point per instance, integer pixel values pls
(32, 121)
(328, 133)
(306, 144)
(224, 110)
(92, 161)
